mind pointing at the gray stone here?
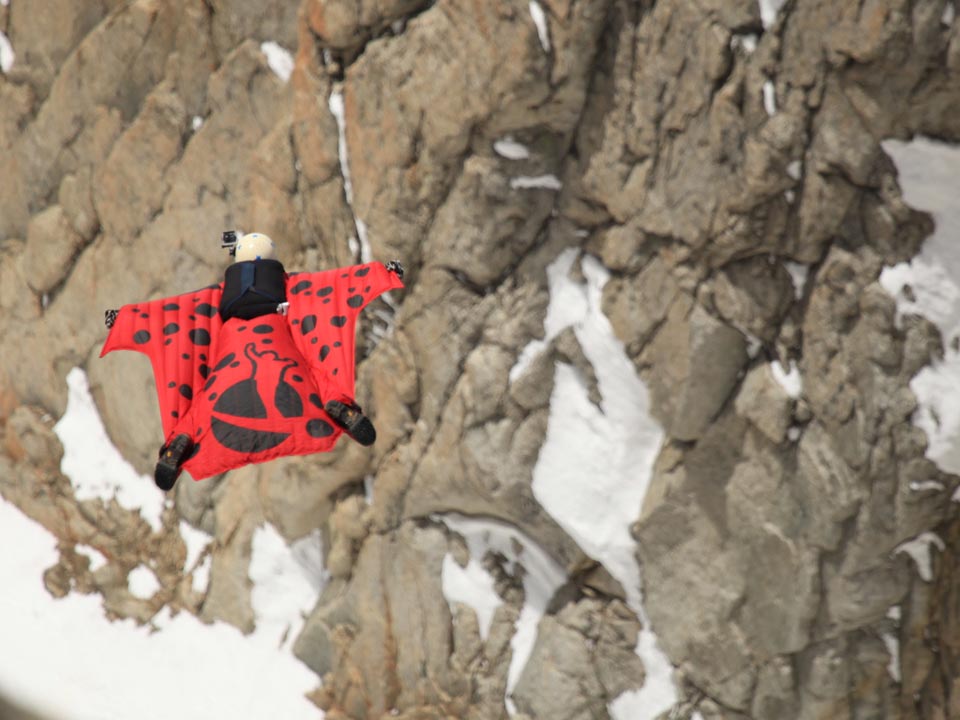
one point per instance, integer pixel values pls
(52, 245)
(764, 402)
(696, 361)
(821, 474)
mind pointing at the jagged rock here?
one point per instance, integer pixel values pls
(384, 635)
(753, 295)
(765, 403)
(696, 362)
(52, 244)
(694, 148)
(345, 25)
(28, 437)
(582, 660)
(130, 187)
(237, 514)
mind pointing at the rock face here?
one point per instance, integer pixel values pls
(725, 168)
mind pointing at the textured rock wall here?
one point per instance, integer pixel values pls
(724, 166)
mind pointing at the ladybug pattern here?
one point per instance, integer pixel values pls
(248, 391)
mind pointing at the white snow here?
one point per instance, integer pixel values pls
(473, 585)
(97, 559)
(526, 182)
(769, 98)
(196, 123)
(769, 9)
(95, 468)
(176, 667)
(798, 274)
(197, 543)
(7, 55)
(510, 149)
(142, 582)
(287, 580)
(949, 12)
(789, 380)
(747, 41)
(795, 169)
(934, 485)
(919, 550)
(595, 463)
(793, 433)
(929, 175)
(893, 645)
(64, 659)
(540, 20)
(335, 103)
(4, 2)
(893, 648)
(279, 59)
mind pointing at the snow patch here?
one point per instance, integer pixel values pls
(595, 463)
(7, 55)
(789, 380)
(95, 467)
(97, 559)
(335, 103)
(929, 285)
(795, 169)
(279, 59)
(142, 582)
(769, 98)
(100, 665)
(793, 433)
(472, 586)
(508, 148)
(197, 543)
(526, 182)
(893, 644)
(919, 550)
(754, 344)
(747, 41)
(769, 9)
(540, 20)
(196, 123)
(798, 274)
(893, 648)
(287, 580)
(541, 575)
(949, 12)
(926, 485)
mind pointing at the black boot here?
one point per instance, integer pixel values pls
(352, 420)
(172, 457)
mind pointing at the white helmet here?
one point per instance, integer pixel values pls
(255, 246)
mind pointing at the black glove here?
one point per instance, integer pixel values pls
(395, 266)
(110, 317)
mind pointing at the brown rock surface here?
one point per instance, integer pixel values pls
(476, 151)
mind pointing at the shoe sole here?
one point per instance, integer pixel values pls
(354, 423)
(169, 465)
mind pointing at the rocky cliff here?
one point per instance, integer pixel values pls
(708, 175)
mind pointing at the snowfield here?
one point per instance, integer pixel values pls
(64, 659)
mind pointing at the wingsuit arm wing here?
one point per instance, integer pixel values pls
(323, 311)
(177, 334)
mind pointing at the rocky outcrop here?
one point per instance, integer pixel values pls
(723, 164)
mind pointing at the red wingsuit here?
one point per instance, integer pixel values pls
(248, 391)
